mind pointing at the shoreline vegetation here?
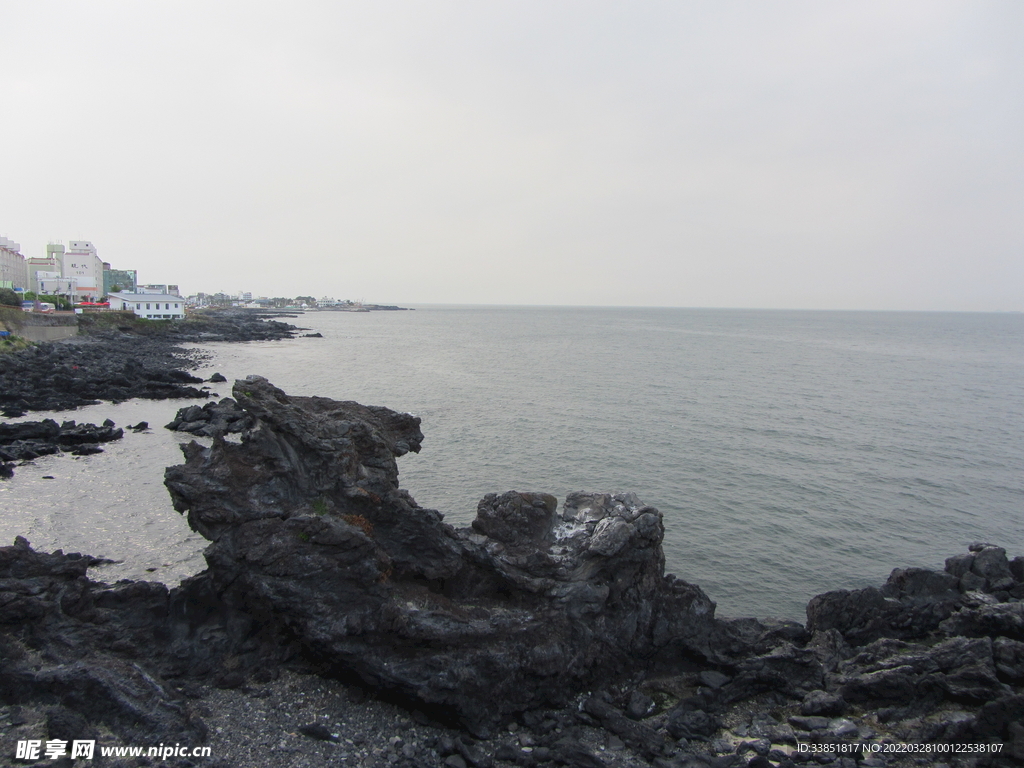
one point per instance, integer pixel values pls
(339, 623)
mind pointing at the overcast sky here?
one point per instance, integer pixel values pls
(864, 155)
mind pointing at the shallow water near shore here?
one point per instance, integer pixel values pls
(791, 452)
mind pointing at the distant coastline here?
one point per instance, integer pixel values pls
(359, 308)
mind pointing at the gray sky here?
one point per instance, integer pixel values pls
(865, 155)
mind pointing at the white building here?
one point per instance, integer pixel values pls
(152, 306)
(82, 263)
(37, 266)
(13, 271)
(56, 251)
(52, 284)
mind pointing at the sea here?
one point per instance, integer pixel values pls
(790, 452)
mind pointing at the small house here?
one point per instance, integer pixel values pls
(152, 306)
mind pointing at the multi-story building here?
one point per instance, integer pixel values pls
(13, 271)
(118, 280)
(81, 262)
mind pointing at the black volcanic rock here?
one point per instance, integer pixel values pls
(66, 375)
(212, 418)
(309, 526)
(57, 631)
(117, 358)
(559, 618)
(912, 603)
(28, 440)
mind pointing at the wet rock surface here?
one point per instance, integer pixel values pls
(29, 440)
(540, 635)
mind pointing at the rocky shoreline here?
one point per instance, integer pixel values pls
(340, 623)
(118, 358)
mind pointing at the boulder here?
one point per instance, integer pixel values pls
(221, 417)
(920, 582)
(686, 723)
(637, 735)
(993, 619)
(1009, 659)
(517, 520)
(911, 604)
(820, 702)
(860, 616)
(991, 564)
(958, 565)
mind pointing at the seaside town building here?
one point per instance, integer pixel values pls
(52, 284)
(78, 273)
(81, 262)
(42, 269)
(13, 270)
(119, 280)
(210, 300)
(160, 288)
(56, 251)
(152, 306)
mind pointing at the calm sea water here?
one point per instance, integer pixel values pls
(791, 452)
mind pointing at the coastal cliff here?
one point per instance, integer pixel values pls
(539, 635)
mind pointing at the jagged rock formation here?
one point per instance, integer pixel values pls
(317, 556)
(212, 418)
(309, 526)
(76, 648)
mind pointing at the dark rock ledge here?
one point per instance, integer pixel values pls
(29, 440)
(551, 636)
